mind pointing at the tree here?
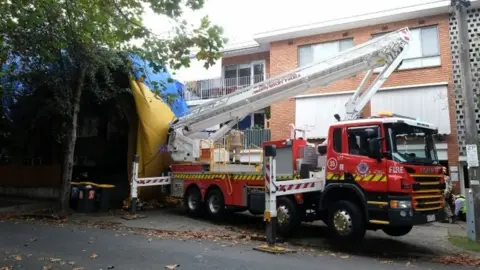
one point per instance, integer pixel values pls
(73, 45)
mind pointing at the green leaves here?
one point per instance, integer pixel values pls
(52, 40)
(67, 34)
(82, 28)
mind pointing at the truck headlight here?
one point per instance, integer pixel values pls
(400, 204)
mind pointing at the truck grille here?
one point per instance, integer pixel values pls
(427, 192)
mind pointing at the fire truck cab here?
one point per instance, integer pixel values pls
(374, 182)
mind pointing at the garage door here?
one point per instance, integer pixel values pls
(428, 104)
(317, 112)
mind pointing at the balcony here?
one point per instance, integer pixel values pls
(214, 88)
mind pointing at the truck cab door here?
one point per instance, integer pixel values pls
(361, 165)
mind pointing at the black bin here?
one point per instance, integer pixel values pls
(86, 198)
(104, 197)
(74, 190)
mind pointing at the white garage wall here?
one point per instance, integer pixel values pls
(317, 112)
(428, 104)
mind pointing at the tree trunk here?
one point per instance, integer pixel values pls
(69, 147)
(127, 103)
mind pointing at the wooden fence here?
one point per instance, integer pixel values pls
(30, 176)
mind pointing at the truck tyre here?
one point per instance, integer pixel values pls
(193, 202)
(346, 221)
(397, 230)
(288, 216)
(215, 203)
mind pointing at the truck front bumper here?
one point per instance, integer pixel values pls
(403, 217)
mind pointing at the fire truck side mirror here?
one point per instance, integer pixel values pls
(270, 151)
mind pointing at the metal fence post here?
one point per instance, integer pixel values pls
(134, 183)
(471, 230)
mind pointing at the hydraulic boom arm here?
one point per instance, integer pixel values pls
(386, 52)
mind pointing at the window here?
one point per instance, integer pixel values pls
(358, 139)
(244, 74)
(411, 145)
(254, 120)
(258, 72)
(258, 120)
(309, 54)
(424, 48)
(337, 140)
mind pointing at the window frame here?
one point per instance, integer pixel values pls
(437, 57)
(311, 49)
(340, 139)
(251, 65)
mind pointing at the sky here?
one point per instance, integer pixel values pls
(241, 19)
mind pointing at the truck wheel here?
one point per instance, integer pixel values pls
(193, 202)
(346, 221)
(397, 230)
(288, 216)
(215, 203)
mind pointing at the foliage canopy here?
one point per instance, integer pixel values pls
(59, 48)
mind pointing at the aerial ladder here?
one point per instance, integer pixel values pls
(385, 52)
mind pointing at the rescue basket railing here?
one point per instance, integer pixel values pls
(143, 182)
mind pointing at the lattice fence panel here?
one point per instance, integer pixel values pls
(473, 16)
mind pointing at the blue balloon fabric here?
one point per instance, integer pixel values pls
(171, 87)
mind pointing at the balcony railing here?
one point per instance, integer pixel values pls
(214, 88)
(253, 138)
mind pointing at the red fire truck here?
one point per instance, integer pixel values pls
(361, 178)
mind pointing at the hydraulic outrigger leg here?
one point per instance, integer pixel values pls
(270, 214)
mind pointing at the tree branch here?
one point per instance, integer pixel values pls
(117, 7)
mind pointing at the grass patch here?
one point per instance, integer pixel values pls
(465, 243)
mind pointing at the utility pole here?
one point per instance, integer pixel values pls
(471, 132)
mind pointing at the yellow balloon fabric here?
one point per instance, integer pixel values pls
(154, 118)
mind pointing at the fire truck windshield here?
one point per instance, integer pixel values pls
(411, 144)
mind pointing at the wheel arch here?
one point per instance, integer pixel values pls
(291, 197)
(344, 191)
(192, 186)
(212, 187)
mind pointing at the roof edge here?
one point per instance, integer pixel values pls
(385, 16)
(245, 48)
(437, 7)
(261, 41)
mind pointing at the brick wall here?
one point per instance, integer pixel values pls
(284, 55)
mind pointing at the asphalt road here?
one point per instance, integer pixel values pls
(29, 245)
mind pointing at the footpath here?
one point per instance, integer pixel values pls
(424, 242)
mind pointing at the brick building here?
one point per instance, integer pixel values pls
(423, 87)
